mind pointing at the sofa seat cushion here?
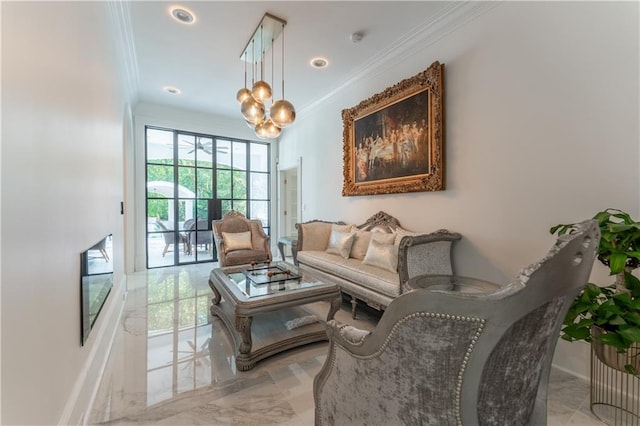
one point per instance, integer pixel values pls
(242, 257)
(372, 277)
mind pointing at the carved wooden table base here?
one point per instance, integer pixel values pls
(258, 326)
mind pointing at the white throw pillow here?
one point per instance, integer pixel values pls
(360, 244)
(340, 243)
(383, 256)
(343, 228)
(236, 241)
(383, 237)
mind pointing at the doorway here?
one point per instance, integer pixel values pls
(289, 203)
(193, 179)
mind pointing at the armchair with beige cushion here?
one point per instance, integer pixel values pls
(240, 241)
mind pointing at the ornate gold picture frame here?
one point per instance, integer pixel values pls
(393, 142)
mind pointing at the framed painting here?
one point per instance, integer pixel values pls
(394, 141)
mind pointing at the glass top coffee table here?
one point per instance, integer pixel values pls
(262, 308)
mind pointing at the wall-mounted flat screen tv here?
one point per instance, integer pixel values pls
(96, 267)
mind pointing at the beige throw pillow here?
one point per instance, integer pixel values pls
(340, 243)
(383, 237)
(360, 244)
(383, 256)
(343, 228)
(236, 241)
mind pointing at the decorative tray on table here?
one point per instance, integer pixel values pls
(270, 274)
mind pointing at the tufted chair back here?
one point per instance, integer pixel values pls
(441, 355)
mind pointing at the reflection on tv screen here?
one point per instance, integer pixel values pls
(96, 281)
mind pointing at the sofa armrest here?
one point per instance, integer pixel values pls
(314, 235)
(426, 254)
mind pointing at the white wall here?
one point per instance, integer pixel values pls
(542, 121)
(146, 114)
(62, 141)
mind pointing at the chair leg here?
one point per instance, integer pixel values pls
(166, 247)
(354, 304)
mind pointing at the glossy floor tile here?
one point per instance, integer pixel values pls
(173, 364)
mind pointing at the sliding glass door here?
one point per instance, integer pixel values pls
(193, 179)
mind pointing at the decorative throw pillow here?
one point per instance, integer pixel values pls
(343, 228)
(403, 233)
(383, 237)
(236, 241)
(383, 256)
(340, 243)
(360, 244)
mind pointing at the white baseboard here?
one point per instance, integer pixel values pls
(86, 386)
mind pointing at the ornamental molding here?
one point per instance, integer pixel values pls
(454, 16)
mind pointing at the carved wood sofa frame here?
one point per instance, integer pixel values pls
(412, 253)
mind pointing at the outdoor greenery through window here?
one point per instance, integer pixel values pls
(193, 179)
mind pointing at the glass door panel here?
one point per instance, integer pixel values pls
(259, 186)
(239, 156)
(260, 211)
(205, 183)
(186, 149)
(239, 184)
(241, 206)
(223, 184)
(259, 157)
(159, 146)
(193, 179)
(204, 153)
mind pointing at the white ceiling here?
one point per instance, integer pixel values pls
(203, 59)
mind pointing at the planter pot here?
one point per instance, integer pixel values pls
(610, 356)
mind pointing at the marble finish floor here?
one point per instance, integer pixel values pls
(173, 364)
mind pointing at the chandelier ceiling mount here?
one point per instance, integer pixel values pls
(253, 101)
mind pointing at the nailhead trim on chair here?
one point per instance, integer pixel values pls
(359, 342)
(467, 355)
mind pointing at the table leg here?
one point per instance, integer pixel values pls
(243, 325)
(335, 306)
(281, 249)
(216, 294)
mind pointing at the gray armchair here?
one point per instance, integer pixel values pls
(197, 235)
(232, 223)
(446, 354)
(169, 236)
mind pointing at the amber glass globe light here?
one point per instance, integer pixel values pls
(252, 110)
(243, 94)
(261, 131)
(282, 113)
(267, 130)
(271, 129)
(261, 91)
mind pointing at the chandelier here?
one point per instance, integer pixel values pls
(254, 101)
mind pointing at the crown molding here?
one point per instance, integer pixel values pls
(455, 15)
(120, 19)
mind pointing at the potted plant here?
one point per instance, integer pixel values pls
(609, 317)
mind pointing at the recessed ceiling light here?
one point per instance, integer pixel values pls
(319, 62)
(182, 15)
(172, 90)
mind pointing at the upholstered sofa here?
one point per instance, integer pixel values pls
(377, 262)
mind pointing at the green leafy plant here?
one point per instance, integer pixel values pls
(615, 308)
